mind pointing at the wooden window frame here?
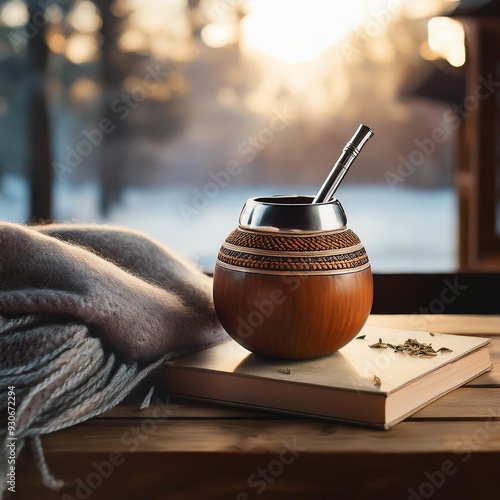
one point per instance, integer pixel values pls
(479, 242)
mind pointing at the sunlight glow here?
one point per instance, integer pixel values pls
(153, 16)
(14, 14)
(84, 90)
(56, 41)
(447, 39)
(305, 51)
(133, 40)
(119, 8)
(85, 17)
(161, 29)
(424, 8)
(82, 49)
(218, 35)
(294, 31)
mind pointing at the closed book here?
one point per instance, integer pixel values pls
(366, 382)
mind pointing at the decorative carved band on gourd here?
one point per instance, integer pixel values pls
(336, 252)
(293, 243)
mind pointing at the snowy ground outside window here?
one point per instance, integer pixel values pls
(403, 229)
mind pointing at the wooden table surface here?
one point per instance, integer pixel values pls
(180, 450)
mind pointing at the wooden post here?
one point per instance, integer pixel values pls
(39, 144)
(479, 239)
(112, 74)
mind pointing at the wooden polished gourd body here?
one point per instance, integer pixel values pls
(292, 295)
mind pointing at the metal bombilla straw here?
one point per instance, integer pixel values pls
(349, 154)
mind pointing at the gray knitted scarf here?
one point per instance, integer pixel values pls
(86, 312)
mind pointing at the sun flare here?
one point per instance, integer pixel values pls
(294, 31)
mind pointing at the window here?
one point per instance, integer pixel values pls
(165, 116)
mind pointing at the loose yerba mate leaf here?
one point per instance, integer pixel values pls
(412, 347)
(379, 345)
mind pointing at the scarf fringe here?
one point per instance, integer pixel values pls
(60, 388)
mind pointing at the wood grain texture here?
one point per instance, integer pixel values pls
(474, 324)
(312, 476)
(190, 451)
(292, 317)
(256, 436)
(463, 404)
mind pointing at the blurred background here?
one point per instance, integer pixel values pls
(166, 115)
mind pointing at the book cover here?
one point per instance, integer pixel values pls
(376, 386)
